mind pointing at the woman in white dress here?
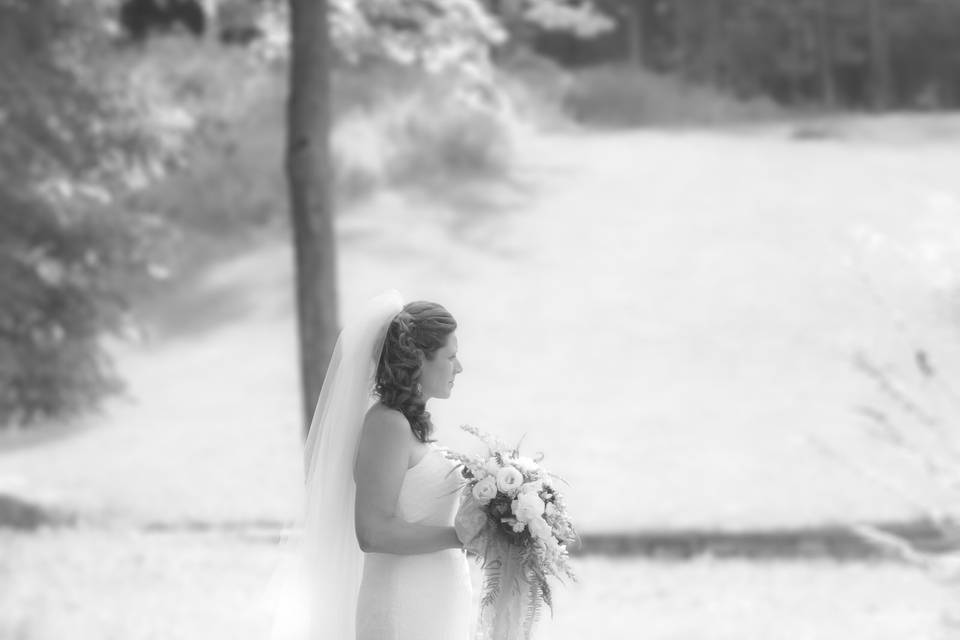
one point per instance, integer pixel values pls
(380, 556)
(416, 581)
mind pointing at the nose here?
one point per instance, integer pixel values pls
(459, 367)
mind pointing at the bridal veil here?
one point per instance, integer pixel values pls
(314, 593)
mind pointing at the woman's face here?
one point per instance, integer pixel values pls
(437, 374)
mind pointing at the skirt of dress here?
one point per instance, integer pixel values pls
(415, 597)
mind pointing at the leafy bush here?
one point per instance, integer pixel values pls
(395, 127)
(64, 253)
(228, 178)
(402, 128)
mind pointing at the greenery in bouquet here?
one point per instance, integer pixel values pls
(525, 515)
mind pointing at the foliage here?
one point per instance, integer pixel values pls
(64, 253)
(853, 53)
(581, 19)
(400, 128)
(82, 200)
(914, 415)
(396, 127)
(228, 182)
(918, 419)
(524, 534)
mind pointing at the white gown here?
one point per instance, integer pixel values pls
(424, 596)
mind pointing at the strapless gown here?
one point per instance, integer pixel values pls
(424, 596)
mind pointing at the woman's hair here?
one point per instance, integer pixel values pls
(414, 335)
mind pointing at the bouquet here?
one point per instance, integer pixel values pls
(524, 533)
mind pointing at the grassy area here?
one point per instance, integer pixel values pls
(646, 324)
(669, 316)
(101, 584)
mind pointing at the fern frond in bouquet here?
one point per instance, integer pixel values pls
(525, 539)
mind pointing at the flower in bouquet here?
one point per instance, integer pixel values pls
(485, 490)
(525, 539)
(509, 480)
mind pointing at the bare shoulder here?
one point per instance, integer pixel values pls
(383, 422)
(385, 442)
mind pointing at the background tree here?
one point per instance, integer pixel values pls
(878, 54)
(634, 25)
(861, 54)
(68, 255)
(309, 177)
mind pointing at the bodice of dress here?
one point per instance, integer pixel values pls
(430, 490)
(424, 596)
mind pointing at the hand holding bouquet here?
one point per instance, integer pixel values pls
(523, 535)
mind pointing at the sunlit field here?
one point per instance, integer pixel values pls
(96, 584)
(650, 309)
(667, 316)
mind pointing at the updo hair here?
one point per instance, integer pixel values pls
(414, 335)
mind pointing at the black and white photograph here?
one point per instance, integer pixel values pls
(480, 319)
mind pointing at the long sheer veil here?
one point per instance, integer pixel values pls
(313, 595)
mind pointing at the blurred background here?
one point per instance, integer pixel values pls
(705, 255)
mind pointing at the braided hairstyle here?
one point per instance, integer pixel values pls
(414, 335)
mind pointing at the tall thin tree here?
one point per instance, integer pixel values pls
(634, 24)
(681, 38)
(825, 45)
(309, 176)
(879, 53)
(716, 47)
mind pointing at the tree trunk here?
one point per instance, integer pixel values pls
(879, 56)
(716, 44)
(635, 25)
(825, 62)
(681, 34)
(211, 11)
(309, 176)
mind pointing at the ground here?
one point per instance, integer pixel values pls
(133, 585)
(670, 316)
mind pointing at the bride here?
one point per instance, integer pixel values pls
(381, 557)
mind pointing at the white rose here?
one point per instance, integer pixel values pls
(550, 509)
(540, 529)
(509, 480)
(527, 507)
(485, 490)
(491, 466)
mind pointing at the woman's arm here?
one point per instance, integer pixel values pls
(381, 464)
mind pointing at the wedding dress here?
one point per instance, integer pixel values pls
(325, 587)
(424, 596)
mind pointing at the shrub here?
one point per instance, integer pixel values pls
(417, 130)
(64, 253)
(395, 127)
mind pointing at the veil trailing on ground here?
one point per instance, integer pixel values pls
(314, 593)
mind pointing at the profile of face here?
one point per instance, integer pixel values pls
(438, 371)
